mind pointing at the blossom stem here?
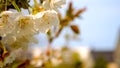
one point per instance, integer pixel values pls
(16, 7)
(6, 5)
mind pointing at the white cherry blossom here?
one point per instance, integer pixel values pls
(45, 20)
(7, 23)
(53, 4)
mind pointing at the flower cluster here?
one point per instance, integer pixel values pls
(18, 30)
(16, 25)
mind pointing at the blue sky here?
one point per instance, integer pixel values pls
(99, 24)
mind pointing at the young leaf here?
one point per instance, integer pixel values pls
(79, 12)
(75, 29)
